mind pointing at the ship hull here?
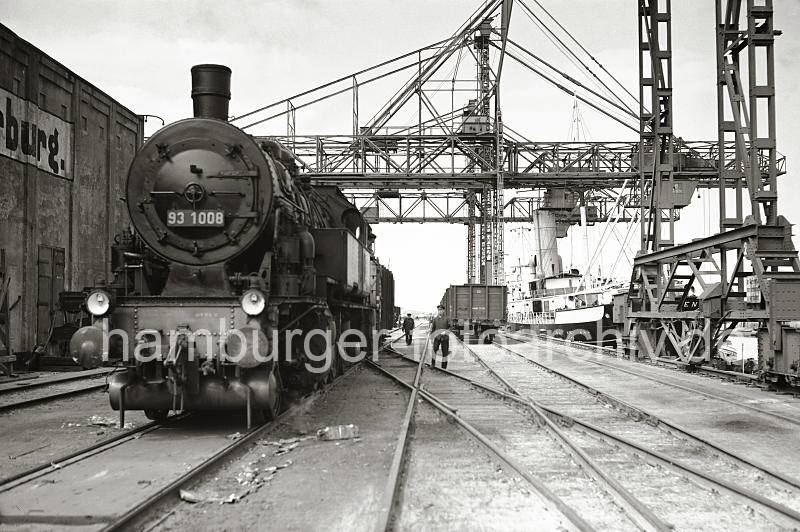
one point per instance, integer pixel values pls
(589, 324)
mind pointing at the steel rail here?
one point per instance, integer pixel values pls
(540, 488)
(656, 420)
(392, 488)
(45, 398)
(639, 513)
(134, 514)
(38, 382)
(783, 417)
(659, 457)
(732, 376)
(127, 520)
(636, 509)
(9, 482)
(122, 438)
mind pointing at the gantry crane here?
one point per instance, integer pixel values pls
(749, 270)
(455, 165)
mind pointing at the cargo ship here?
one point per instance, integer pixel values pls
(561, 306)
(546, 299)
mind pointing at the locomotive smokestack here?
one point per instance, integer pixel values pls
(211, 91)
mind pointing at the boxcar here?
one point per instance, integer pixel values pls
(475, 308)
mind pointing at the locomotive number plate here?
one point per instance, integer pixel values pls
(189, 218)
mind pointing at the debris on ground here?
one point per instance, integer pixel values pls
(190, 496)
(100, 421)
(283, 442)
(250, 476)
(286, 449)
(234, 436)
(284, 445)
(194, 497)
(338, 432)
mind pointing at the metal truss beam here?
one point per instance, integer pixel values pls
(454, 162)
(655, 123)
(755, 157)
(715, 241)
(454, 207)
(472, 270)
(761, 253)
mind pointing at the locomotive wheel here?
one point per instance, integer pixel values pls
(156, 415)
(320, 320)
(336, 366)
(268, 414)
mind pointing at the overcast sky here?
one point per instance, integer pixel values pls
(140, 53)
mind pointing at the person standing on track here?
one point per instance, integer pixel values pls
(440, 327)
(408, 327)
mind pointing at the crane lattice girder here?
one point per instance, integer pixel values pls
(453, 207)
(412, 86)
(752, 111)
(393, 161)
(657, 177)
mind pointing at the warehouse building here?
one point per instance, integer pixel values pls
(65, 147)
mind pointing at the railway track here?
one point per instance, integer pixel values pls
(332, 484)
(131, 474)
(38, 393)
(429, 448)
(611, 462)
(593, 411)
(27, 383)
(708, 371)
(43, 468)
(641, 371)
(496, 442)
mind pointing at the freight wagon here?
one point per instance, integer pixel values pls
(475, 308)
(384, 288)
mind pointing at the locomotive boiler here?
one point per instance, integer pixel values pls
(261, 273)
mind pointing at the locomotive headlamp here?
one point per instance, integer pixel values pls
(98, 302)
(253, 302)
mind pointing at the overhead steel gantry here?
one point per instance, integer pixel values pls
(749, 271)
(466, 153)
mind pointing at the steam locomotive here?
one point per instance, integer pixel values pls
(247, 274)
